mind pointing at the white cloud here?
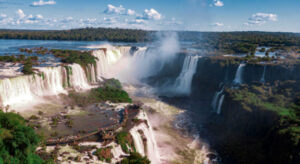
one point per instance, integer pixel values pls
(114, 9)
(218, 24)
(111, 9)
(42, 3)
(130, 12)
(67, 20)
(2, 16)
(261, 18)
(110, 20)
(137, 21)
(21, 13)
(218, 3)
(151, 14)
(36, 17)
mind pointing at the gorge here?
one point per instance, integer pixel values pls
(206, 88)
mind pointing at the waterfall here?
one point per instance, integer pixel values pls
(220, 104)
(101, 65)
(49, 81)
(239, 74)
(151, 145)
(15, 90)
(106, 58)
(216, 98)
(92, 74)
(78, 78)
(184, 80)
(262, 80)
(138, 138)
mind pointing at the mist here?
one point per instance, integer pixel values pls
(147, 61)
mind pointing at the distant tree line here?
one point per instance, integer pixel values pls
(85, 34)
(241, 42)
(224, 42)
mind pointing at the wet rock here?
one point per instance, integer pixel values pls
(211, 156)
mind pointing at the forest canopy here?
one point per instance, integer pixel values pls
(227, 42)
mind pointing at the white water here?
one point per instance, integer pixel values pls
(152, 151)
(25, 88)
(78, 78)
(51, 83)
(15, 90)
(216, 98)
(48, 81)
(184, 80)
(92, 70)
(107, 58)
(263, 75)
(137, 138)
(239, 74)
(220, 104)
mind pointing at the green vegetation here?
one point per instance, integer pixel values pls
(86, 34)
(224, 42)
(36, 50)
(123, 139)
(17, 141)
(69, 123)
(135, 158)
(111, 90)
(73, 56)
(27, 68)
(242, 42)
(18, 58)
(104, 154)
(69, 72)
(112, 83)
(283, 99)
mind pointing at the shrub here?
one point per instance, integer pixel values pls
(104, 154)
(33, 117)
(122, 139)
(111, 91)
(73, 56)
(27, 68)
(18, 142)
(135, 158)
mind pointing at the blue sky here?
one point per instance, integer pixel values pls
(198, 15)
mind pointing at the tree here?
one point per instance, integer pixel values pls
(18, 142)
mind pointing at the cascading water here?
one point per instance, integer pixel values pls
(220, 104)
(78, 78)
(24, 88)
(48, 81)
(184, 80)
(262, 80)
(92, 73)
(138, 140)
(106, 58)
(239, 74)
(216, 99)
(151, 145)
(15, 90)
(102, 64)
